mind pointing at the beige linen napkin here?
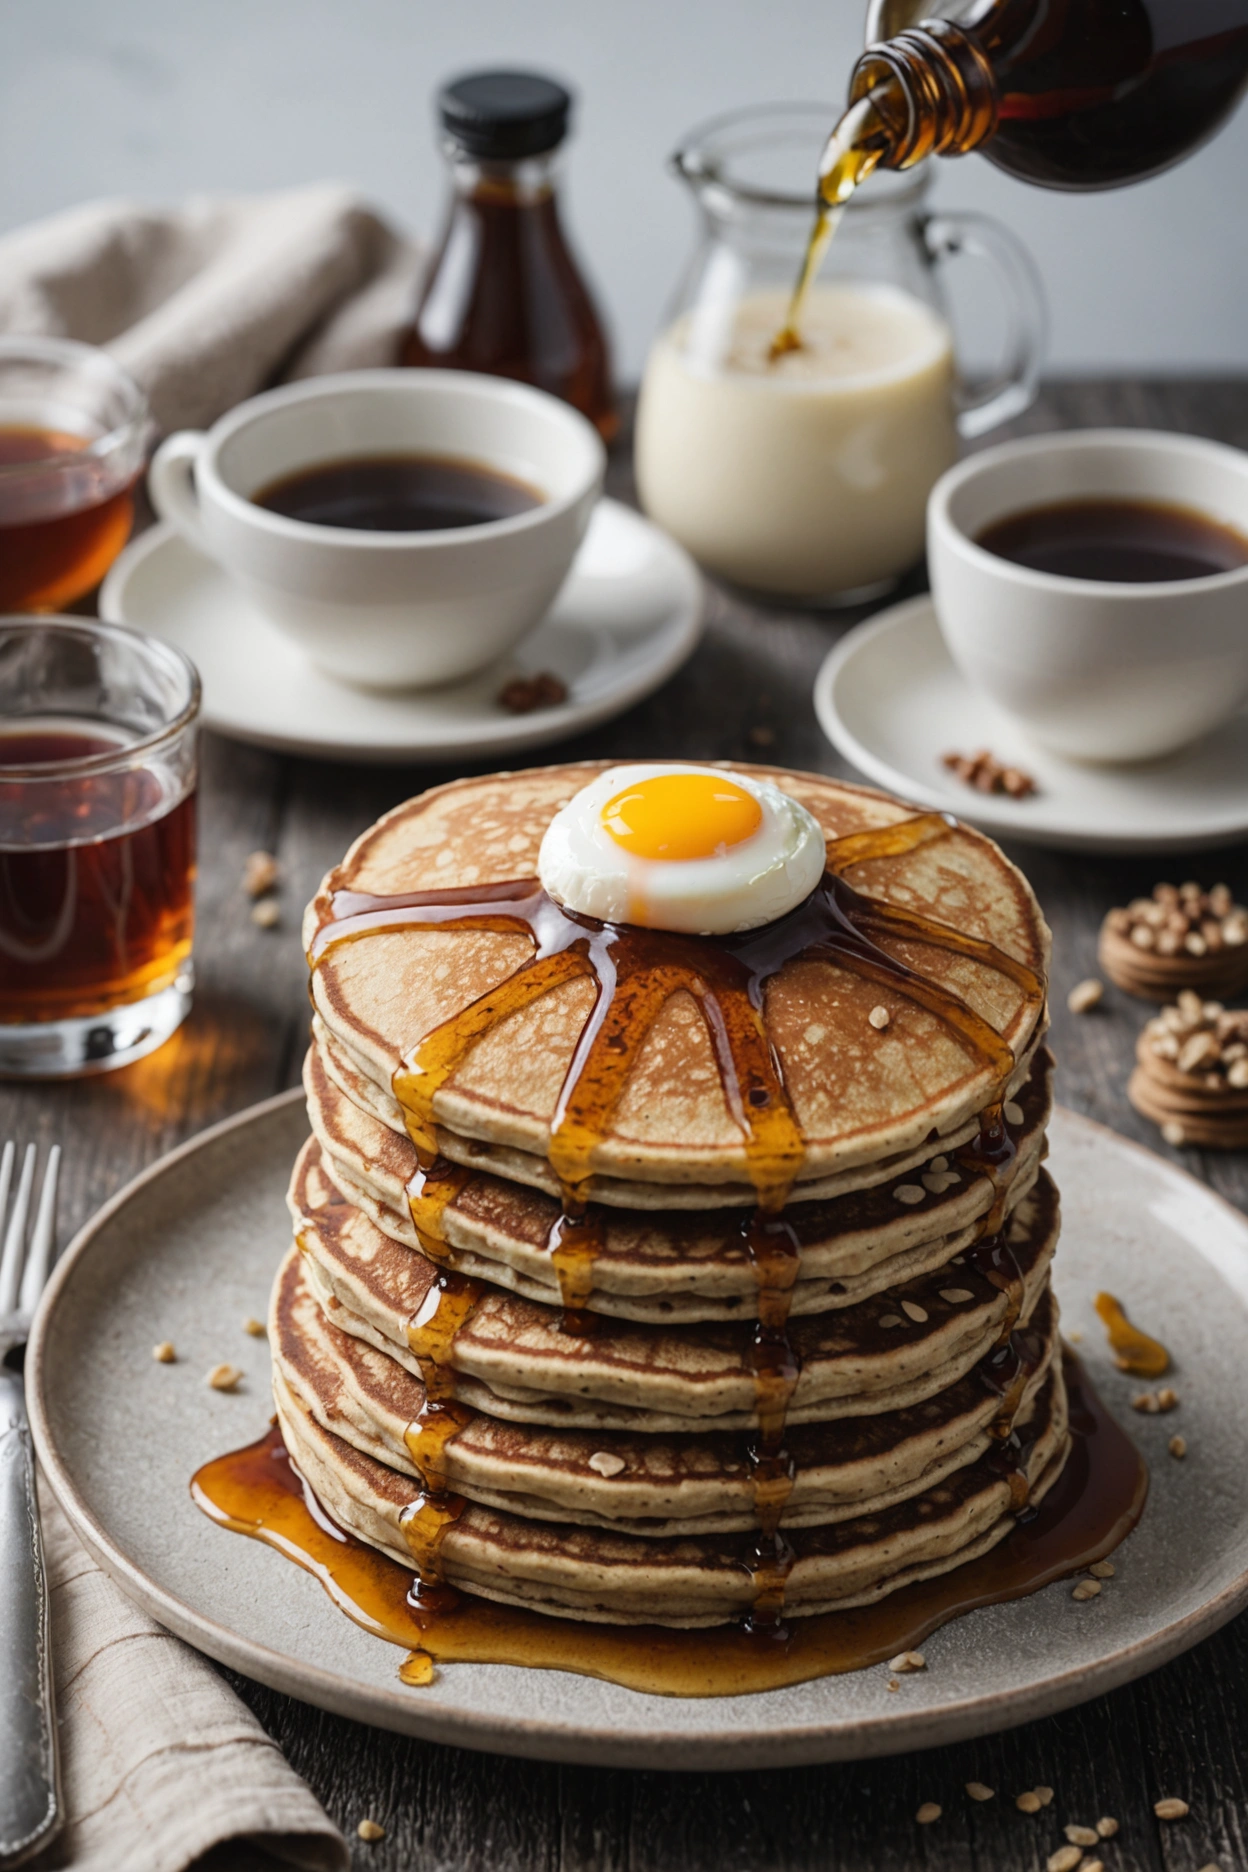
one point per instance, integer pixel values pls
(210, 302)
(160, 1761)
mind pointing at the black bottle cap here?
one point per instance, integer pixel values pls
(504, 114)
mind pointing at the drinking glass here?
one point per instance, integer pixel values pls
(73, 436)
(808, 476)
(97, 843)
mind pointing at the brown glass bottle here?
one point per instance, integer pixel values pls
(503, 293)
(1072, 94)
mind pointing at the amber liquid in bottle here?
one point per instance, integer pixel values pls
(1070, 94)
(505, 296)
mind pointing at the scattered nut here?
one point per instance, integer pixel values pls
(1080, 1835)
(894, 1683)
(1146, 1401)
(1086, 1589)
(1177, 1446)
(1065, 1859)
(1092, 1865)
(266, 914)
(1173, 1133)
(928, 1812)
(1106, 1828)
(370, 1831)
(1172, 1808)
(1167, 1398)
(907, 1661)
(987, 774)
(978, 1792)
(259, 873)
(1044, 1794)
(879, 1018)
(1029, 1802)
(523, 694)
(254, 1326)
(224, 1377)
(1085, 995)
(606, 1463)
(164, 1353)
(1102, 1569)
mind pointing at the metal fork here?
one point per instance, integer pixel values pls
(30, 1793)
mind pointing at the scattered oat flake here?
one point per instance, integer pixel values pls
(890, 1319)
(1146, 1401)
(1080, 1835)
(1173, 1132)
(1178, 1447)
(915, 1312)
(1012, 1112)
(259, 873)
(908, 1193)
(1172, 1808)
(164, 1353)
(254, 1326)
(956, 1295)
(1086, 1589)
(1030, 1802)
(1102, 1569)
(266, 914)
(370, 1831)
(1043, 1794)
(908, 1661)
(224, 1377)
(1212, 1866)
(1085, 995)
(928, 1812)
(1106, 1828)
(1092, 1865)
(1065, 1859)
(606, 1463)
(879, 1018)
(978, 1792)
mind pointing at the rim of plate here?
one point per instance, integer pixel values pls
(685, 625)
(977, 809)
(547, 1737)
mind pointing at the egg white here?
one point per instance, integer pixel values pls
(582, 867)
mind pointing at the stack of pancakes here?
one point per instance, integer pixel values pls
(577, 1429)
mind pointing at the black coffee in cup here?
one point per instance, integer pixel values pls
(398, 494)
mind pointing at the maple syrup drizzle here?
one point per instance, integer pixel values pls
(1134, 1351)
(1090, 1509)
(635, 972)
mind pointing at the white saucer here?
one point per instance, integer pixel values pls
(628, 616)
(890, 699)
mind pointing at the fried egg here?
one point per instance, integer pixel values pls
(698, 850)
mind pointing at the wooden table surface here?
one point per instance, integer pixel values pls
(744, 695)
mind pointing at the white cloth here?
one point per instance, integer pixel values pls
(160, 1761)
(210, 302)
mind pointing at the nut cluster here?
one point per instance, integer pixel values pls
(1180, 937)
(987, 774)
(1191, 1075)
(523, 694)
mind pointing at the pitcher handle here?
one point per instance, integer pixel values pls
(1013, 387)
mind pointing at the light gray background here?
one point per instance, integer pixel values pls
(156, 98)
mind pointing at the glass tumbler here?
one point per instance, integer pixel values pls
(73, 437)
(97, 844)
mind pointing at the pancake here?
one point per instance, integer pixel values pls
(511, 1358)
(641, 1485)
(598, 1575)
(859, 1095)
(667, 1267)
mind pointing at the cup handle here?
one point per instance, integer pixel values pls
(1012, 389)
(171, 485)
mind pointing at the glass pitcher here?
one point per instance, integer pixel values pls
(808, 477)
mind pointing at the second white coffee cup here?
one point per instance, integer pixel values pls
(381, 608)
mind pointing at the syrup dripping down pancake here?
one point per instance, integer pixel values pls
(643, 1485)
(674, 1266)
(594, 1574)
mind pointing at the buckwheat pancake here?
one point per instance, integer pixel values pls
(641, 1485)
(595, 1574)
(512, 1358)
(859, 1094)
(674, 1266)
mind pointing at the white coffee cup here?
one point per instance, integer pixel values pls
(380, 608)
(1098, 670)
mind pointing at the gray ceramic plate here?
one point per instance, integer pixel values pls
(189, 1249)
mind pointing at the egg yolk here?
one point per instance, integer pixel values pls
(681, 816)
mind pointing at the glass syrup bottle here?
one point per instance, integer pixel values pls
(504, 294)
